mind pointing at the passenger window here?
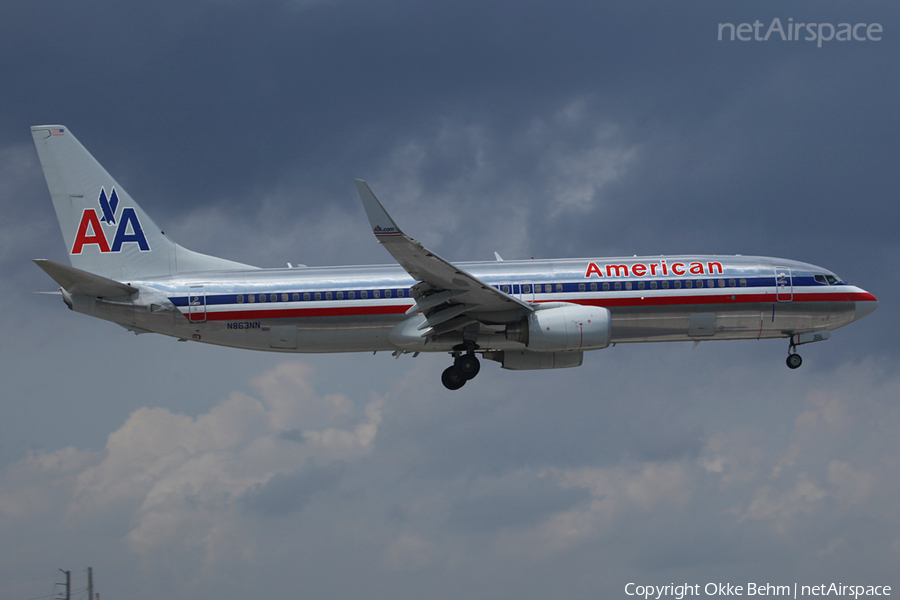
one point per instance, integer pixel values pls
(627, 285)
(364, 294)
(731, 283)
(306, 296)
(605, 286)
(653, 285)
(710, 283)
(339, 295)
(743, 282)
(594, 286)
(387, 293)
(251, 298)
(721, 283)
(505, 289)
(618, 285)
(699, 283)
(688, 284)
(640, 285)
(318, 295)
(558, 287)
(581, 287)
(328, 295)
(526, 289)
(284, 297)
(400, 293)
(666, 284)
(296, 297)
(240, 298)
(351, 295)
(262, 297)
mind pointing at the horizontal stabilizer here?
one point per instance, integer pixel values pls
(78, 282)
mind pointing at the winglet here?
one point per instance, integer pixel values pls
(474, 295)
(381, 222)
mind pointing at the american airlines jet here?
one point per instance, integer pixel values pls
(524, 314)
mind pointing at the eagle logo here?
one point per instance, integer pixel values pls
(108, 207)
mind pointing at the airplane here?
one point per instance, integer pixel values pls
(524, 314)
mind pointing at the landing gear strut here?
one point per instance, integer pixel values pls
(465, 367)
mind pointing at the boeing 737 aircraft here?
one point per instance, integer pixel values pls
(525, 314)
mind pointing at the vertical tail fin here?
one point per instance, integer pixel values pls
(104, 229)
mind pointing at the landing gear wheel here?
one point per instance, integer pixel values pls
(794, 361)
(452, 378)
(468, 365)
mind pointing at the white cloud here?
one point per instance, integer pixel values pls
(290, 470)
(617, 494)
(180, 480)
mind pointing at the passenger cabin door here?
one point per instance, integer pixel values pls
(197, 304)
(784, 285)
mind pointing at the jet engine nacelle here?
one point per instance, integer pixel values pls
(563, 327)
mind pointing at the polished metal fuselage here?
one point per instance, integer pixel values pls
(356, 308)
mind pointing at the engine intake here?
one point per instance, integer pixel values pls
(563, 327)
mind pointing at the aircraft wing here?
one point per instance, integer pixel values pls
(449, 295)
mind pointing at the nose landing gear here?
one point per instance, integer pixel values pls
(793, 360)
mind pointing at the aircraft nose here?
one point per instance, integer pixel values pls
(865, 307)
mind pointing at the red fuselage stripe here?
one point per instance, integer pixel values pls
(353, 311)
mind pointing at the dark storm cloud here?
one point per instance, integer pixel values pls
(212, 102)
(220, 98)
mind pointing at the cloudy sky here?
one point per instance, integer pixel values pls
(532, 129)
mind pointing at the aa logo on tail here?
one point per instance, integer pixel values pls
(127, 227)
(109, 206)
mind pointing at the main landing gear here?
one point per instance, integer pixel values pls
(465, 367)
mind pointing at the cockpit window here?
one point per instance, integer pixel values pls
(828, 279)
